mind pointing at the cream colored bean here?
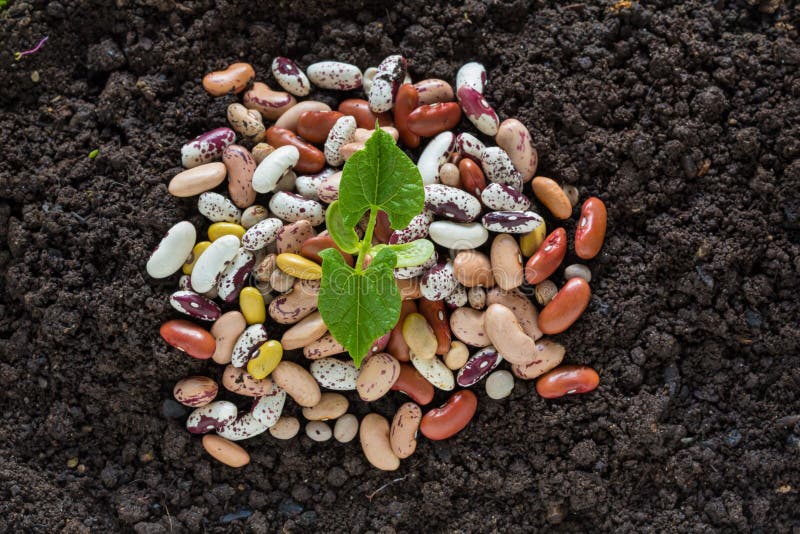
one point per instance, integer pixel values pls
(346, 428)
(335, 374)
(197, 180)
(281, 281)
(173, 250)
(297, 382)
(419, 336)
(549, 355)
(269, 172)
(545, 291)
(374, 437)
(513, 137)
(330, 406)
(477, 297)
(318, 431)
(226, 330)
(362, 134)
(457, 356)
(499, 385)
(435, 372)
(521, 305)
(403, 435)
(450, 175)
(304, 332)
(254, 215)
(507, 262)
(347, 150)
(467, 325)
(377, 376)
(507, 335)
(247, 123)
(287, 427)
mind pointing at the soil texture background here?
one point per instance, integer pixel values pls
(682, 116)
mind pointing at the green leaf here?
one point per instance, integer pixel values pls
(409, 254)
(358, 308)
(344, 236)
(381, 177)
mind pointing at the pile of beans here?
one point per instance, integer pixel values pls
(464, 311)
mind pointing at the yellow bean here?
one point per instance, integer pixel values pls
(219, 229)
(530, 242)
(252, 305)
(298, 266)
(196, 251)
(269, 356)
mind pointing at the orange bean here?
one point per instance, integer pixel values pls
(567, 380)
(227, 452)
(413, 384)
(451, 418)
(312, 246)
(552, 196)
(472, 177)
(311, 158)
(314, 126)
(406, 101)
(189, 338)
(365, 118)
(397, 345)
(433, 119)
(435, 312)
(547, 258)
(591, 230)
(565, 308)
(234, 78)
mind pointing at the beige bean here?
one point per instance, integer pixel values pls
(227, 452)
(240, 166)
(545, 291)
(289, 118)
(238, 380)
(450, 175)
(477, 297)
(507, 335)
(348, 149)
(433, 90)
(247, 123)
(507, 262)
(377, 376)
(300, 302)
(330, 406)
(572, 194)
(195, 391)
(419, 336)
(318, 431)
(374, 437)
(409, 288)
(261, 151)
(362, 134)
(254, 215)
(271, 104)
(467, 325)
(197, 180)
(226, 330)
(578, 270)
(457, 356)
(304, 332)
(234, 78)
(287, 427)
(297, 382)
(513, 137)
(549, 355)
(526, 313)
(323, 347)
(290, 237)
(346, 428)
(265, 268)
(403, 435)
(499, 385)
(281, 281)
(473, 268)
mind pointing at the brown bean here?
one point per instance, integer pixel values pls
(507, 262)
(552, 196)
(567, 380)
(313, 246)
(405, 102)
(435, 312)
(227, 452)
(403, 435)
(374, 437)
(451, 418)
(473, 268)
(591, 230)
(413, 384)
(472, 178)
(298, 303)
(311, 158)
(432, 119)
(271, 104)
(365, 118)
(314, 126)
(233, 79)
(565, 308)
(240, 166)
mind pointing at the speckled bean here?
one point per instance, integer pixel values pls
(292, 207)
(290, 77)
(323, 347)
(403, 434)
(460, 236)
(513, 137)
(501, 197)
(433, 156)
(172, 251)
(246, 122)
(478, 366)
(195, 391)
(212, 262)
(377, 375)
(264, 413)
(212, 416)
(451, 203)
(328, 189)
(342, 133)
(335, 374)
(271, 104)
(467, 325)
(234, 277)
(511, 222)
(433, 90)
(416, 229)
(471, 75)
(194, 305)
(234, 79)
(238, 380)
(469, 146)
(457, 298)
(298, 303)
(263, 271)
(498, 168)
(435, 372)
(478, 110)
(206, 147)
(261, 234)
(334, 75)
(548, 355)
(439, 281)
(307, 185)
(248, 343)
(390, 75)
(218, 208)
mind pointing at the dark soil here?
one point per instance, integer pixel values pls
(683, 117)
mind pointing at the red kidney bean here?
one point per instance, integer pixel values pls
(591, 230)
(451, 418)
(435, 312)
(472, 178)
(565, 308)
(397, 346)
(547, 258)
(365, 118)
(314, 126)
(311, 158)
(413, 384)
(406, 101)
(432, 119)
(312, 246)
(567, 380)
(189, 338)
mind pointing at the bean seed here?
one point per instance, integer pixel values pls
(318, 431)
(545, 291)
(499, 385)
(346, 428)
(287, 427)
(579, 271)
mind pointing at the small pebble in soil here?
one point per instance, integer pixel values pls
(172, 409)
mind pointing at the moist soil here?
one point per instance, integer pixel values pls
(683, 117)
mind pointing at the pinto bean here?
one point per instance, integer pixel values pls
(451, 418)
(403, 434)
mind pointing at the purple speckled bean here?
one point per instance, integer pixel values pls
(248, 343)
(261, 234)
(458, 298)
(416, 229)
(498, 168)
(291, 207)
(502, 197)
(469, 146)
(206, 147)
(390, 75)
(405, 273)
(334, 75)
(511, 222)
(478, 110)
(290, 77)
(342, 133)
(195, 305)
(478, 366)
(292, 236)
(439, 282)
(328, 189)
(471, 75)
(452, 203)
(213, 416)
(307, 185)
(233, 278)
(264, 413)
